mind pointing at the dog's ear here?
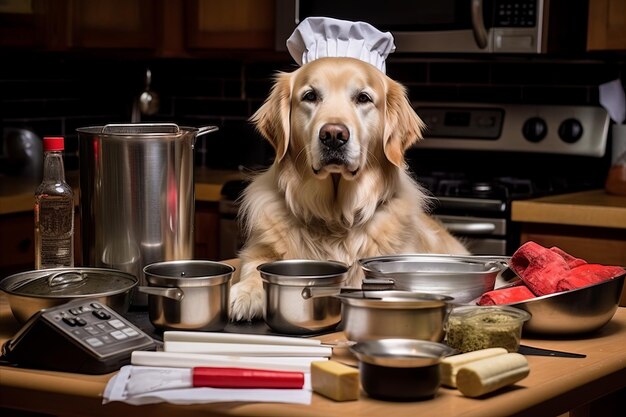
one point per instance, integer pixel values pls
(272, 118)
(403, 127)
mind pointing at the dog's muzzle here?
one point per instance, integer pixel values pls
(334, 135)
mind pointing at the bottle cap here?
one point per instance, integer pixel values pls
(53, 143)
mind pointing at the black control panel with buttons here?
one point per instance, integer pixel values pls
(83, 336)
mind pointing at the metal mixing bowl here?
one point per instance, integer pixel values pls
(463, 277)
(573, 312)
(375, 315)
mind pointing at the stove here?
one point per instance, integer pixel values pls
(476, 159)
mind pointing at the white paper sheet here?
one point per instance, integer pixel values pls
(116, 391)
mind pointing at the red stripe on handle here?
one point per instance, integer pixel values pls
(246, 378)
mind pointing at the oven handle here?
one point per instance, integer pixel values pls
(477, 228)
(478, 24)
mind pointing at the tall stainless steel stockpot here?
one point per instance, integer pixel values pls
(137, 195)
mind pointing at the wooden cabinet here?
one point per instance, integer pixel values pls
(229, 24)
(206, 231)
(607, 25)
(167, 28)
(114, 24)
(17, 245)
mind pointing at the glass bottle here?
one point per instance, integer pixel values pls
(54, 211)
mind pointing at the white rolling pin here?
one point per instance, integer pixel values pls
(191, 360)
(251, 339)
(246, 350)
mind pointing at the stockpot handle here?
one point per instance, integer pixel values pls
(173, 293)
(206, 129)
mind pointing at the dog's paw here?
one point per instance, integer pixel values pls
(247, 299)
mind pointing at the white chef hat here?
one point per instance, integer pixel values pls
(317, 37)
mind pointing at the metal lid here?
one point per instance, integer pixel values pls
(388, 299)
(188, 273)
(401, 353)
(68, 282)
(303, 272)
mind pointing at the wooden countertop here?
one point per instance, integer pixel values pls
(554, 386)
(593, 208)
(17, 194)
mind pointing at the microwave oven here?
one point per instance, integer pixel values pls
(454, 26)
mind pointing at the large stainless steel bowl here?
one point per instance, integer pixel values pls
(573, 312)
(463, 277)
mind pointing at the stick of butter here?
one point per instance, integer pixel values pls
(335, 380)
(487, 375)
(450, 365)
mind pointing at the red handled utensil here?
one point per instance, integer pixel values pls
(144, 379)
(245, 378)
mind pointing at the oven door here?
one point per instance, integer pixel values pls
(417, 25)
(481, 235)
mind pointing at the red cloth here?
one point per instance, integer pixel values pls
(540, 268)
(588, 274)
(546, 271)
(506, 296)
(572, 261)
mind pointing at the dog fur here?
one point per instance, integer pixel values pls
(338, 188)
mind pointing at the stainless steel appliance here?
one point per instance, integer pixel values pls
(476, 159)
(458, 26)
(137, 195)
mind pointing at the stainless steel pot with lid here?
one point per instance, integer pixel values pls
(31, 291)
(137, 195)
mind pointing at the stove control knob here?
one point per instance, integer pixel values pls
(535, 129)
(570, 130)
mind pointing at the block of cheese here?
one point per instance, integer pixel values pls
(335, 380)
(490, 374)
(450, 365)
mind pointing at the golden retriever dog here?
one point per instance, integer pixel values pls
(338, 188)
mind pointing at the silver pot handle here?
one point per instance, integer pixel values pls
(174, 293)
(317, 292)
(206, 129)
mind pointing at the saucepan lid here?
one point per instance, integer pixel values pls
(68, 283)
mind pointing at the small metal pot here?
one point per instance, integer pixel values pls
(286, 310)
(31, 291)
(400, 369)
(188, 295)
(374, 315)
(463, 277)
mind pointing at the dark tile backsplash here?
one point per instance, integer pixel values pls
(54, 95)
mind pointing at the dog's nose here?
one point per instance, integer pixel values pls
(334, 135)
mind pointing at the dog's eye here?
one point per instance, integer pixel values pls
(309, 96)
(363, 98)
